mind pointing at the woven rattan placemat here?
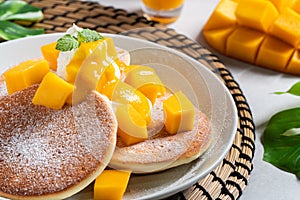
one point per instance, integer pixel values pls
(230, 178)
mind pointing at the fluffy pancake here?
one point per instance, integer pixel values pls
(163, 151)
(53, 154)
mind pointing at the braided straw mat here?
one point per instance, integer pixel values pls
(229, 179)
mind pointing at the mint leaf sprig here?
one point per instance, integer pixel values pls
(87, 35)
(69, 42)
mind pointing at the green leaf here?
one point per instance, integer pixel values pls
(19, 10)
(294, 90)
(67, 43)
(87, 35)
(10, 31)
(281, 140)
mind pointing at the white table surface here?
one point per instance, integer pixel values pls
(266, 182)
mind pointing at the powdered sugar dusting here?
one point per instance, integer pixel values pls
(42, 151)
(3, 90)
(162, 149)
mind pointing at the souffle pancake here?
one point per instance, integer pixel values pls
(53, 154)
(163, 151)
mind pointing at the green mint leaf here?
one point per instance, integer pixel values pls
(10, 31)
(280, 150)
(67, 43)
(87, 35)
(294, 90)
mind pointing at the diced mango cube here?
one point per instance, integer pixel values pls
(52, 92)
(256, 14)
(110, 46)
(98, 57)
(146, 80)
(152, 91)
(223, 16)
(90, 60)
(217, 38)
(84, 50)
(274, 54)
(125, 68)
(111, 184)
(50, 53)
(112, 71)
(132, 128)
(287, 27)
(282, 4)
(179, 113)
(294, 64)
(106, 87)
(69, 99)
(107, 81)
(25, 74)
(71, 73)
(95, 64)
(243, 43)
(124, 94)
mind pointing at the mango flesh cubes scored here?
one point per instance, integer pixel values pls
(287, 27)
(111, 185)
(261, 32)
(223, 16)
(256, 14)
(247, 40)
(279, 55)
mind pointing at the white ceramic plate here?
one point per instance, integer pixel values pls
(179, 72)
